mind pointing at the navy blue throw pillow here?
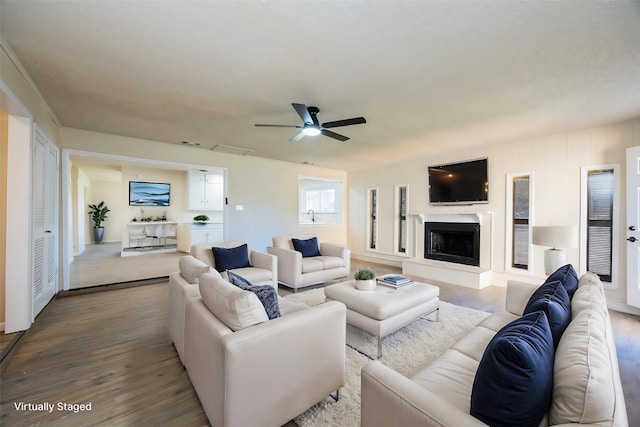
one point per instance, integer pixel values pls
(307, 247)
(267, 294)
(230, 258)
(514, 380)
(568, 276)
(553, 299)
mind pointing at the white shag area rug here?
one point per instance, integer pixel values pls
(406, 351)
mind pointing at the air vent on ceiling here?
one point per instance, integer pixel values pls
(192, 144)
(232, 150)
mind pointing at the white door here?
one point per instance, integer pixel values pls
(633, 226)
(45, 222)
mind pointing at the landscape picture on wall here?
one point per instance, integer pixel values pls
(149, 193)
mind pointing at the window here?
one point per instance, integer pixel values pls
(518, 219)
(520, 223)
(322, 200)
(401, 218)
(372, 232)
(600, 215)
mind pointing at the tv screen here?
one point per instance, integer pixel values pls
(459, 183)
(148, 193)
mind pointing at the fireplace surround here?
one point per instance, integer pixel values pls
(452, 242)
(475, 227)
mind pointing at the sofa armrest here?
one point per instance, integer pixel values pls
(389, 398)
(289, 264)
(284, 366)
(267, 262)
(332, 249)
(518, 294)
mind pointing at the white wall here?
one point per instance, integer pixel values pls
(555, 161)
(266, 189)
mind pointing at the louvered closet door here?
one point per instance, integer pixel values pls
(45, 222)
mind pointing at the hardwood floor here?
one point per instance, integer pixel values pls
(111, 349)
(102, 264)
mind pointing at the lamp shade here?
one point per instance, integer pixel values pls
(555, 236)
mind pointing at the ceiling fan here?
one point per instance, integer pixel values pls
(312, 127)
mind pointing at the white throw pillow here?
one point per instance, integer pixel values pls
(191, 268)
(235, 307)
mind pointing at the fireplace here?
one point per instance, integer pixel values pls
(455, 242)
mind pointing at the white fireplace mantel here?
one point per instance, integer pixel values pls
(473, 218)
(476, 277)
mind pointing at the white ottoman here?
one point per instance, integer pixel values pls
(385, 310)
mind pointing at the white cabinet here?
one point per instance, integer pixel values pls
(190, 233)
(205, 191)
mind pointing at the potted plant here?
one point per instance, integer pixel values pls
(98, 215)
(200, 219)
(365, 279)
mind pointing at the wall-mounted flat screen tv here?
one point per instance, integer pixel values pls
(149, 193)
(461, 183)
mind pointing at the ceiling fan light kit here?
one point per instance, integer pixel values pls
(312, 127)
(311, 130)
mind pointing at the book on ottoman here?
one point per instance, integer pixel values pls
(394, 280)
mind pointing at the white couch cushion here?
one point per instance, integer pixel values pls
(311, 264)
(450, 376)
(235, 307)
(329, 262)
(583, 389)
(191, 268)
(257, 276)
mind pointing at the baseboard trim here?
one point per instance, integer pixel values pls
(623, 308)
(111, 286)
(377, 260)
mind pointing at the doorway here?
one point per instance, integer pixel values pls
(87, 264)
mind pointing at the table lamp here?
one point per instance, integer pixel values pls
(558, 238)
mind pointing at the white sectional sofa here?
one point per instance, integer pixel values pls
(586, 387)
(297, 269)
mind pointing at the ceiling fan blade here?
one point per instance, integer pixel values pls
(297, 137)
(346, 122)
(260, 125)
(303, 112)
(334, 135)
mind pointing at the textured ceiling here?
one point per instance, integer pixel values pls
(427, 75)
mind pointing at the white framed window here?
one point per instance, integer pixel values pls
(519, 203)
(320, 200)
(400, 226)
(372, 219)
(600, 190)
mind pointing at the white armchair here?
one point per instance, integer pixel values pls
(261, 373)
(297, 271)
(262, 269)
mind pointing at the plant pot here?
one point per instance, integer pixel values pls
(98, 234)
(366, 285)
